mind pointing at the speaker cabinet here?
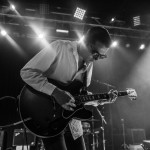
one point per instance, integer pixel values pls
(22, 148)
(2, 139)
(135, 147)
(138, 135)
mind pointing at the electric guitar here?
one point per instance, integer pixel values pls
(45, 118)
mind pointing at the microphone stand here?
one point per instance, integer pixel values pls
(124, 145)
(103, 83)
(102, 127)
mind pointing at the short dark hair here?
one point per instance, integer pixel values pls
(98, 34)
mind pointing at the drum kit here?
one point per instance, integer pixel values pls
(88, 127)
(94, 137)
(91, 135)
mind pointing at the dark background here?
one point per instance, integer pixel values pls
(124, 67)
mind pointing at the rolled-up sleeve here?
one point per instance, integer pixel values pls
(33, 72)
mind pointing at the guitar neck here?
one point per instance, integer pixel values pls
(101, 97)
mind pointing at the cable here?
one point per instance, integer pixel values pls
(7, 97)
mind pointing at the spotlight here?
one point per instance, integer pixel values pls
(142, 46)
(41, 36)
(81, 39)
(62, 28)
(136, 21)
(112, 20)
(114, 44)
(12, 7)
(79, 13)
(62, 31)
(3, 32)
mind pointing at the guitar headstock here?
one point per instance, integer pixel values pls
(131, 93)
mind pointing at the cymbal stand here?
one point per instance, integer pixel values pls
(102, 127)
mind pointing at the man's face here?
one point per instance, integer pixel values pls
(96, 51)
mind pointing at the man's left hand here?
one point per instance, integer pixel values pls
(93, 103)
(113, 94)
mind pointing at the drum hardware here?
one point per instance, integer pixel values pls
(89, 130)
(102, 117)
(86, 128)
(97, 137)
(93, 134)
(102, 127)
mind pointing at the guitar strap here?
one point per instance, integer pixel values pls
(75, 124)
(84, 89)
(83, 71)
(85, 79)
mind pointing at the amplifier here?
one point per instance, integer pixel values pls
(135, 147)
(22, 137)
(22, 148)
(2, 139)
(138, 135)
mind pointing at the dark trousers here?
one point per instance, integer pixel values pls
(64, 141)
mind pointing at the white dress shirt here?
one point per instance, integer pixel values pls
(58, 61)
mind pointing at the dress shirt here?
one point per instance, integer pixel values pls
(59, 61)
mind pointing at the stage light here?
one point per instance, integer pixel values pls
(136, 21)
(112, 20)
(114, 44)
(12, 7)
(62, 31)
(79, 13)
(3, 33)
(62, 28)
(81, 39)
(142, 46)
(41, 36)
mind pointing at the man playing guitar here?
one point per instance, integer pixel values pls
(54, 77)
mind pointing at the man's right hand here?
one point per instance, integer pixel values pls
(64, 99)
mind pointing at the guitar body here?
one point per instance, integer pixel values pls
(43, 116)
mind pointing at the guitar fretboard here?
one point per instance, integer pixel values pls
(101, 97)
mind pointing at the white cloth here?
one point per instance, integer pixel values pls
(76, 128)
